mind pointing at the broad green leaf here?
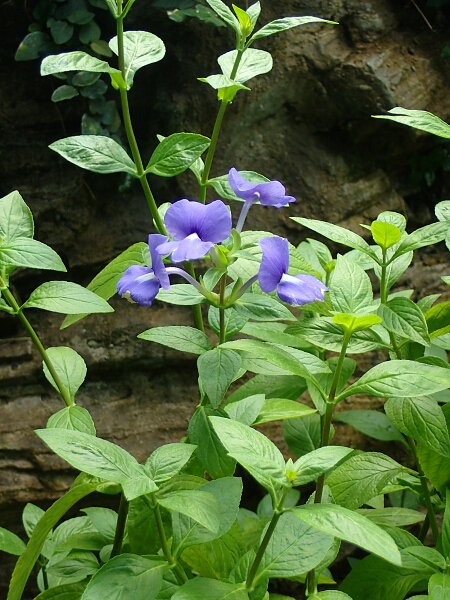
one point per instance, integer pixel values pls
(10, 542)
(201, 588)
(317, 462)
(74, 61)
(104, 284)
(176, 153)
(30, 517)
(419, 119)
(95, 153)
(439, 584)
(275, 409)
(403, 317)
(294, 548)
(94, 455)
(219, 82)
(198, 505)
(140, 48)
(66, 297)
(430, 557)
(438, 319)
(26, 252)
(350, 526)
(262, 308)
(253, 63)
(254, 451)
(372, 423)
(350, 288)
(187, 532)
(253, 12)
(330, 595)
(217, 369)
(70, 591)
(64, 92)
(350, 323)
(385, 234)
(16, 220)
(445, 534)
(361, 478)
(33, 46)
(167, 460)
(420, 418)
(183, 294)
(373, 578)
(244, 21)
(395, 268)
(393, 516)
(399, 378)
(337, 234)
(30, 555)
(273, 332)
(211, 451)
(283, 386)
(126, 576)
(246, 410)
(435, 466)
(72, 417)
(225, 13)
(185, 339)
(283, 24)
(303, 435)
(71, 567)
(71, 368)
(424, 236)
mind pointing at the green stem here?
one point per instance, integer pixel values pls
(215, 133)
(426, 493)
(197, 308)
(37, 342)
(120, 527)
(424, 529)
(222, 287)
(278, 511)
(158, 222)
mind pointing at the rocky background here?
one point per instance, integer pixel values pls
(307, 123)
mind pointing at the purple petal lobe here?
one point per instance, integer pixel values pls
(241, 187)
(216, 224)
(300, 289)
(155, 240)
(274, 263)
(191, 248)
(139, 284)
(211, 222)
(269, 193)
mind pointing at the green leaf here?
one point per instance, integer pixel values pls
(420, 418)
(317, 462)
(275, 333)
(253, 63)
(362, 477)
(244, 21)
(10, 542)
(198, 505)
(283, 24)
(94, 456)
(439, 584)
(26, 252)
(29, 557)
(372, 423)
(424, 236)
(16, 220)
(219, 82)
(294, 548)
(350, 288)
(399, 378)
(438, 319)
(70, 591)
(104, 284)
(66, 297)
(33, 46)
(234, 322)
(350, 323)
(176, 153)
(225, 14)
(330, 595)
(64, 92)
(282, 386)
(201, 588)
(141, 48)
(70, 367)
(419, 119)
(185, 339)
(275, 409)
(254, 451)
(393, 516)
(217, 369)
(183, 294)
(303, 435)
(445, 534)
(75, 418)
(95, 153)
(61, 32)
(246, 410)
(351, 527)
(211, 451)
(167, 460)
(435, 466)
(262, 308)
(74, 61)
(404, 318)
(385, 234)
(126, 576)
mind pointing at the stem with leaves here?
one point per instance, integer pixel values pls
(120, 527)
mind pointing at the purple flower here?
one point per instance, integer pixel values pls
(270, 193)
(273, 275)
(141, 284)
(195, 227)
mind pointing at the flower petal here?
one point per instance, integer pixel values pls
(241, 187)
(191, 248)
(181, 217)
(211, 222)
(300, 289)
(274, 263)
(139, 284)
(269, 193)
(216, 224)
(155, 240)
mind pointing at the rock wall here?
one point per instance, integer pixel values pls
(307, 124)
